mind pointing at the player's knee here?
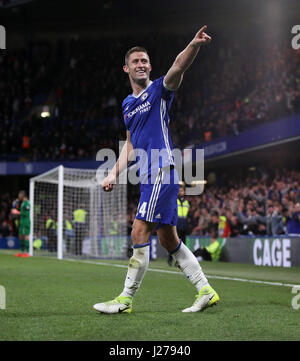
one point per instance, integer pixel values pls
(135, 235)
(138, 235)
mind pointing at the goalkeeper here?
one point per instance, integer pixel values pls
(24, 228)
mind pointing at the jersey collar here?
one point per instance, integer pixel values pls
(137, 96)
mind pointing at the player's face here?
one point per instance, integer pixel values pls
(138, 67)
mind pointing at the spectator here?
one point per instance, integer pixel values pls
(236, 227)
(214, 221)
(203, 222)
(293, 224)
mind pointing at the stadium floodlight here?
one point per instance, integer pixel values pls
(45, 114)
(71, 216)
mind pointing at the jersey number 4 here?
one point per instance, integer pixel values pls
(143, 209)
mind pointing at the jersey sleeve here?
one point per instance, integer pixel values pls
(166, 93)
(124, 112)
(27, 206)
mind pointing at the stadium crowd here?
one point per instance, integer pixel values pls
(233, 86)
(266, 205)
(6, 218)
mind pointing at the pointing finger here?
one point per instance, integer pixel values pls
(202, 29)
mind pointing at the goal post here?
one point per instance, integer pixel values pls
(72, 217)
(60, 201)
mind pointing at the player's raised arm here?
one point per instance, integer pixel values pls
(183, 60)
(122, 163)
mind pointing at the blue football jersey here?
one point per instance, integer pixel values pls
(147, 118)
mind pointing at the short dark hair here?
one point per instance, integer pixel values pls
(135, 49)
(213, 232)
(214, 213)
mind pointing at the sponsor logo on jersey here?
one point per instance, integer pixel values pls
(141, 108)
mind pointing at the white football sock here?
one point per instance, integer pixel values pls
(138, 265)
(189, 265)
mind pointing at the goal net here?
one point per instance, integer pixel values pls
(72, 216)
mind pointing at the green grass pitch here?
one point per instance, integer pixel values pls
(48, 299)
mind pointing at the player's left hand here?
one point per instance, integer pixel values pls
(201, 38)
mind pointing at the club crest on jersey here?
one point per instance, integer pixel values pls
(144, 96)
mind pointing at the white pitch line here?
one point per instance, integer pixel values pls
(180, 273)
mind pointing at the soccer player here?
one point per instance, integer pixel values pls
(146, 116)
(24, 228)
